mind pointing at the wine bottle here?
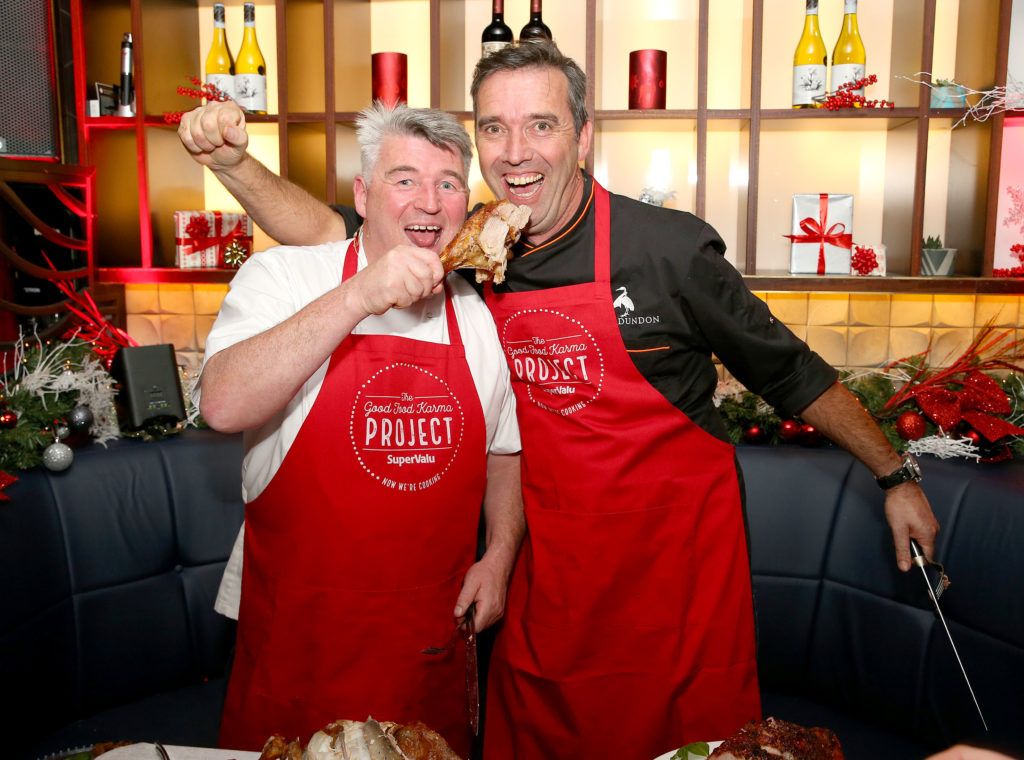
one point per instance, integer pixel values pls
(497, 34)
(220, 66)
(848, 57)
(250, 68)
(809, 61)
(535, 30)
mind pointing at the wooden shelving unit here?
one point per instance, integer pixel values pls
(322, 77)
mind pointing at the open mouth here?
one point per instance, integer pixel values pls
(523, 186)
(423, 235)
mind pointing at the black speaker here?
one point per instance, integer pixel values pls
(37, 107)
(150, 385)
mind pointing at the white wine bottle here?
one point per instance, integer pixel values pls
(497, 34)
(250, 68)
(220, 66)
(848, 58)
(809, 61)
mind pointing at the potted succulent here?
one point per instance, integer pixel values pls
(948, 94)
(935, 259)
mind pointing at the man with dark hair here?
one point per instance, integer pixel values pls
(630, 625)
(378, 417)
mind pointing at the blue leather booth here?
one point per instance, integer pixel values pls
(108, 573)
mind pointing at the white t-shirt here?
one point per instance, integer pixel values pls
(275, 284)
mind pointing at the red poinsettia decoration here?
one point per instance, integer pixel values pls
(962, 392)
(6, 479)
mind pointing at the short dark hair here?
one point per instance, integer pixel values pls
(537, 55)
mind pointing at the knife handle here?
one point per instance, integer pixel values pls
(917, 554)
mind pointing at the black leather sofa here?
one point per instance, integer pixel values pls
(108, 573)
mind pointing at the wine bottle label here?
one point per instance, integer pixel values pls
(808, 83)
(223, 82)
(842, 73)
(494, 47)
(251, 92)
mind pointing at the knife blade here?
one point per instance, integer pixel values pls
(919, 558)
(472, 671)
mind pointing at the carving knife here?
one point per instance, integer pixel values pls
(472, 670)
(917, 554)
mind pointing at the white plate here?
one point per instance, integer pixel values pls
(146, 751)
(711, 748)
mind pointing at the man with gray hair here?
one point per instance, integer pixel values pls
(378, 416)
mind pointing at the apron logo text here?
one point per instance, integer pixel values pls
(555, 358)
(406, 426)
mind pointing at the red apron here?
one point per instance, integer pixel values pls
(356, 550)
(629, 626)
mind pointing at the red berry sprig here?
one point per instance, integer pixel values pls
(845, 97)
(201, 90)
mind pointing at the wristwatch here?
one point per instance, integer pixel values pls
(909, 470)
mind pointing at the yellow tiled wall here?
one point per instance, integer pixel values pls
(855, 330)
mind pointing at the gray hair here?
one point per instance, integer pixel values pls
(377, 122)
(537, 55)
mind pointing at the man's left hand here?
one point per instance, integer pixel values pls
(909, 516)
(485, 584)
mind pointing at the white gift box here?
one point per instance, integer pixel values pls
(862, 258)
(822, 233)
(201, 238)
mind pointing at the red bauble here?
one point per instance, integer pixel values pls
(809, 435)
(8, 419)
(974, 435)
(753, 434)
(910, 426)
(789, 430)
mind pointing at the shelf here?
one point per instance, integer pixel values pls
(781, 281)
(109, 122)
(144, 275)
(774, 281)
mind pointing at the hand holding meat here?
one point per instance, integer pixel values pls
(215, 134)
(399, 278)
(484, 241)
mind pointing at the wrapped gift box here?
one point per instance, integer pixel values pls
(868, 260)
(211, 239)
(822, 233)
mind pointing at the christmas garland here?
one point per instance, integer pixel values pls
(60, 394)
(973, 408)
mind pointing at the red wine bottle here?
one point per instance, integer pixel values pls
(535, 30)
(497, 34)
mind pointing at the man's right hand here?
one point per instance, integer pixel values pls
(399, 278)
(215, 134)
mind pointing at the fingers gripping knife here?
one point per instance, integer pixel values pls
(917, 554)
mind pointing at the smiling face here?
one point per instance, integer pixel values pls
(417, 196)
(527, 145)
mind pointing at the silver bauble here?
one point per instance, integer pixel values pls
(58, 457)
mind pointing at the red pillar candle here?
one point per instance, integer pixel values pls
(647, 78)
(389, 78)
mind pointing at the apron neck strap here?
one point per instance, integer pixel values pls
(602, 236)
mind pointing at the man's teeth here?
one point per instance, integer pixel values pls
(424, 228)
(524, 180)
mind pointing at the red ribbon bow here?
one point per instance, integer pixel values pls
(816, 231)
(200, 239)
